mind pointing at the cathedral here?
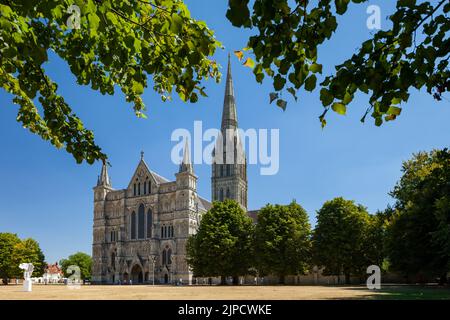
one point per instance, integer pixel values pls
(140, 232)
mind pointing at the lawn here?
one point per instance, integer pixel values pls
(146, 292)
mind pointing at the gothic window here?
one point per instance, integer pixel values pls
(162, 229)
(169, 256)
(133, 225)
(113, 260)
(141, 222)
(145, 188)
(228, 193)
(221, 170)
(134, 188)
(139, 188)
(221, 195)
(228, 169)
(149, 187)
(149, 223)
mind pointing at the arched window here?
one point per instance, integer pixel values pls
(149, 186)
(169, 256)
(139, 188)
(221, 194)
(228, 193)
(141, 222)
(134, 188)
(228, 169)
(133, 225)
(113, 260)
(149, 223)
(162, 230)
(145, 188)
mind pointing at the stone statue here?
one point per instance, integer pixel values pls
(27, 272)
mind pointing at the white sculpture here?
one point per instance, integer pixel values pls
(27, 272)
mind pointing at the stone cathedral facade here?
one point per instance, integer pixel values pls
(140, 232)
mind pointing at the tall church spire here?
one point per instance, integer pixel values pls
(229, 117)
(186, 164)
(229, 168)
(103, 179)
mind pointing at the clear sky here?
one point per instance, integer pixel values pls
(44, 194)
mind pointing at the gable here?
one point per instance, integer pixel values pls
(142, 175)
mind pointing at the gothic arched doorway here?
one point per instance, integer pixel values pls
(136, 275)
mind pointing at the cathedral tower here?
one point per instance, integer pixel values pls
(229, 169)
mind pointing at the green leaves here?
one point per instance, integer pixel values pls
(339, 108)
(222, 245)
(283, 240)
(341, 6)
(326, 97)
(238, 13)
(279, 82)
(316, 68)
(119, 44)
(289, 34)
(339, 239)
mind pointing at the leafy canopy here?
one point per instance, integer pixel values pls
(223, 243)
(283, 240)
(80, 259)
(14, 251)
(413, 53)
(422, 216)
(339, 238)
(112, 44)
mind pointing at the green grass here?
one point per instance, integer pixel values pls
(413, 293)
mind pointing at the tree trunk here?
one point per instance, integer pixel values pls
(235, 280)
(223, 280)
(443, 279)
(282, 279)
(347, 278)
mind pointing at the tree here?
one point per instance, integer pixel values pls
(283, 240)
(338, 239)
(107, 44)
(419, 231)
(8, 269)
(413, 53)
(80, 259)
(14, 251)
(28, 250)
(223, 244)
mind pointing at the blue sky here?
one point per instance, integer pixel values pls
(44, 194)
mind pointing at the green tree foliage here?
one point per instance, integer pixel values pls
(283, 240)
(413, 53)
(419, 233)
(223, 244)
(80, 259)
(14, 251)
(339, 242)
(107, 44)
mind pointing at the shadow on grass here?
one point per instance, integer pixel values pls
(405, 292)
